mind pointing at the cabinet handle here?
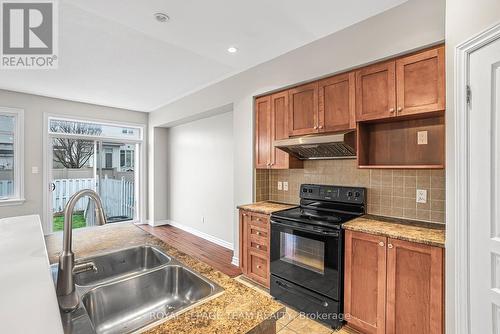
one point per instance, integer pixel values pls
(381, 244)
(258, 233)
(257, 246)
(244, 215)
(390, 246)
(321, 126)
(391, 110)
(259, 266)
(315, 127)
(400, 109)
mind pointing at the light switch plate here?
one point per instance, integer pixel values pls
(280, 185)
(34, 170)
(421, 196)
(285, 186)
(422, 138)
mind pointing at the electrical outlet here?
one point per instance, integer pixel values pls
(280, 185)
(422, 137)
(285, 186)
(34, 170)
(421, 196)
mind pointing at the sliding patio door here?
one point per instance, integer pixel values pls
(81, 159)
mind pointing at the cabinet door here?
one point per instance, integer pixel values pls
(303, 109)
(263, 132)
(245, 219)
(279, 129)
(376, 91)
(414, 288)
(336, 103)
(421, 82)
(365, 281)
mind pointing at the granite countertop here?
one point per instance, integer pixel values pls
(239, 309)
(425, 233)
(266, 207)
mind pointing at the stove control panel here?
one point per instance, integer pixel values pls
(333, 193)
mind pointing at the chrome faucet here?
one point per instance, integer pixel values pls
(66, 294)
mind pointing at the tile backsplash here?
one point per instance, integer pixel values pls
(391, 192)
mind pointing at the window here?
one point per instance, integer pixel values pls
(11, 156)
(93, 129)
(105, 157)
(127, 158)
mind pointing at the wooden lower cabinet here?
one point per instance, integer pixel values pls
(365, 281)
(254, 246)
(393, 286)
(414, 288)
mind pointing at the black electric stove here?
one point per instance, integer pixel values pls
(307, 250)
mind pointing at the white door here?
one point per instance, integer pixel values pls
(484, 210)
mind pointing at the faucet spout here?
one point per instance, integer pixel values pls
(66, 295)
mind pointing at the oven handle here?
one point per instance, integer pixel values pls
(290, 289)
(308, 230)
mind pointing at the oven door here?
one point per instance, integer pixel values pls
(308, 256)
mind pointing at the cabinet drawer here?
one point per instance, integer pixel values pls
(259, 220)
(257, 232)
(258, 246)
(258, 268)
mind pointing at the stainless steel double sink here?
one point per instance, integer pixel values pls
(133, 289)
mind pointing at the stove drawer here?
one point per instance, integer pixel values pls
(258, 267)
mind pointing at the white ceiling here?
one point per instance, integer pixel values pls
(114, 53)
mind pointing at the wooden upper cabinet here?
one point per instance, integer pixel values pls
(262, 132)
(303, 109)
(271, 124)
(376, 91)
(337, 103)
(365, 281)
(421, 82)
(414, 288)
(279, 128)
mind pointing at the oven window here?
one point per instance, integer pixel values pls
(303, 252)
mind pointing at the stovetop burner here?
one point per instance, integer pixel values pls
(315, 215)
(328, 206)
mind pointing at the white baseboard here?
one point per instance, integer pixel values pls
(201, 234)
(235, 261)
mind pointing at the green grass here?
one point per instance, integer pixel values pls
(78, 221)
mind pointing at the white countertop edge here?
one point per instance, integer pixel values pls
(28, 302)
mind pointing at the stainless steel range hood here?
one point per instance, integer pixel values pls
(315, 147)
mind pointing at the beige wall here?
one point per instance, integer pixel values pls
(200, 176)
(34, 108)
(464, 19)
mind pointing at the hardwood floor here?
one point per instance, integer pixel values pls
(204, 250)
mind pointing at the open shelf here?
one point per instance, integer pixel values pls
(394, 144)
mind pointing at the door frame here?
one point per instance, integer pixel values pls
(459, 201)
(140, 159)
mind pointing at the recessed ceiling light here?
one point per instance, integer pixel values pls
(161, 17)
(232, 49)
